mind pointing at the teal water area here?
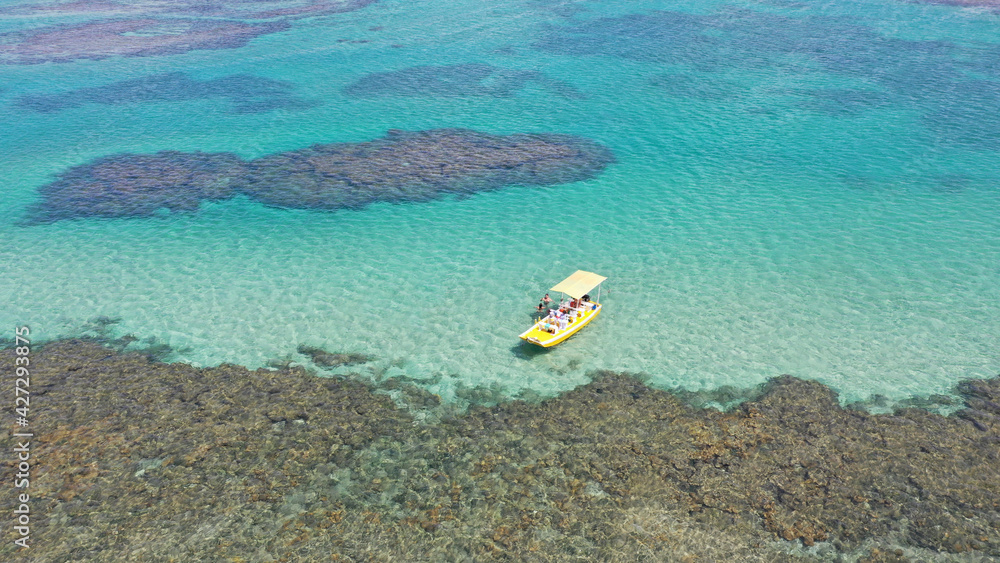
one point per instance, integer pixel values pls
(803, 189)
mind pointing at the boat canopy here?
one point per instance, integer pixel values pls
(579, 284)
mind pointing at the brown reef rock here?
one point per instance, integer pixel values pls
(140, 37)
(136, 459)
(400, 167)
(418, 166)
(245, 9)
(119, 28)
(138, 185)
(334, 359)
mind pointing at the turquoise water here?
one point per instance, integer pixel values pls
(803, 189)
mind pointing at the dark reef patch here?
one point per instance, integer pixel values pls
(459, 80)
(941, 80)
(127, 38)
(400, 167)
(242, 9)
(741, 39)
(420, 166)
(266, 9)
(658, 36)
(129, 29)
(246, 93)
(967, 114)
(334, 359)
(281, 464)
(133, 185)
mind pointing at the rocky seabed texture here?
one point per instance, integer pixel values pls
(403, 166)
(120, 28)
(144, 461)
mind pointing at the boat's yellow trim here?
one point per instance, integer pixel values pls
(539, 337)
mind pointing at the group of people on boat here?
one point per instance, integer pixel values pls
(558, 318)
(574, 310)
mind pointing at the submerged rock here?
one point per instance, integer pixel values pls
(131, 185)
(286, 465)
(246, 9)
(419, 166)
(121, 28)
(246, 93)
(331, 360)
(403, 166)
(139, 37)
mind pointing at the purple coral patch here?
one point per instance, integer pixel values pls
(127, 38)
(126, 29)
(244, 9)
(246, 93)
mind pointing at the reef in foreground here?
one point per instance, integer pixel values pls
(402, 166)
(138, 460)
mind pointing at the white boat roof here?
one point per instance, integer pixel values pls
(579, 284)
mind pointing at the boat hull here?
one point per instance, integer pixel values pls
(535, 335)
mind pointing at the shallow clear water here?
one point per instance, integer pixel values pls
(803, 189)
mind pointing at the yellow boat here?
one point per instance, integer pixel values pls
(552, 330)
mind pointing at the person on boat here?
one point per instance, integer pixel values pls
(586, 298)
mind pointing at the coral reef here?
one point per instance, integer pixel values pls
(130, 29)
(140, 37)
(246, 93)
(952, 86)
(281, 465)
(331, 359)
(403, 166)
(266, 9)
(245, 9)
(138, 185)
(419, 166)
